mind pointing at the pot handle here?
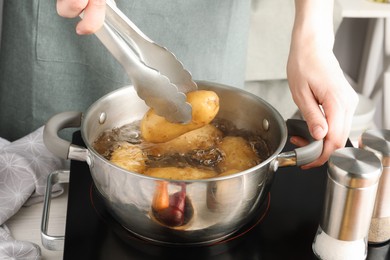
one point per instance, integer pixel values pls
(302, 155)
(60, 147)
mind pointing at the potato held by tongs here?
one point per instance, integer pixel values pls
(205, 106)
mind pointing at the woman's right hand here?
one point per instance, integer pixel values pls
(94, 12)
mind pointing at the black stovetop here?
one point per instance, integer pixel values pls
(284, 229)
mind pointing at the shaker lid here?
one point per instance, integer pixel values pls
(354, 167)
(378, 142)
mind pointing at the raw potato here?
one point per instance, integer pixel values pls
(156, 129)
(129, 157)
(201, 138)
(238, 154)
(175, 173)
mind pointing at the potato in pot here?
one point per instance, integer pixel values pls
(205, 106)
(201, 138)
(129, 156)
(237, 153)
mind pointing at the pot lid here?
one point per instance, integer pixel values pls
(354, 167)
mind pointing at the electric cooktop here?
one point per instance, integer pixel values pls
(284, 227)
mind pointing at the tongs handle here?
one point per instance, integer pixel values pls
(150, 53)
(124, 53)
(158, 77)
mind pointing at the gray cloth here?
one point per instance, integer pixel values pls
(14, 249)
(45, 68)
(24, 167)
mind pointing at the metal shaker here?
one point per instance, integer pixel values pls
(378, 142)
(351, 187)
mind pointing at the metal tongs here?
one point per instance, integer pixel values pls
(157, 75)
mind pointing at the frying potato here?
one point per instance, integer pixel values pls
(237, 153)
(176, 173)
(201, 138)
(156, 129)
(129, 157)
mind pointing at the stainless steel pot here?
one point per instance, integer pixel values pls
(217, 206)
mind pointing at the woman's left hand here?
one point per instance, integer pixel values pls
(317, 83)
(324, 96)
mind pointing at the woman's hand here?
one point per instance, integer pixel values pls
(317, 83)
(94, 12)
(316, 79)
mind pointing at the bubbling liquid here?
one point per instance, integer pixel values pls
(208, 159)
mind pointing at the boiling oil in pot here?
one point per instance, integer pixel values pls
(206, 158)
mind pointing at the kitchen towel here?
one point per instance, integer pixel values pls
(24, 167)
